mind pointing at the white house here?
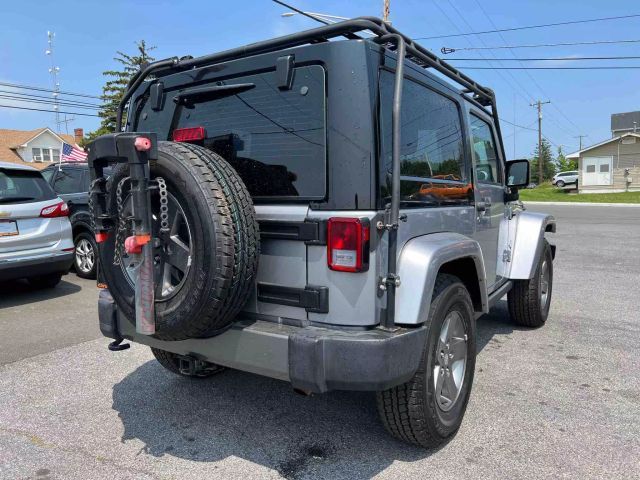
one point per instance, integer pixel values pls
(38, 148)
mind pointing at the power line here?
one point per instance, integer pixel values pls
(33, 95)
(545, 59)
(40, 89)
(519, 126)
(47, 102)
(447, 50)
(49, 111)
(512, 29)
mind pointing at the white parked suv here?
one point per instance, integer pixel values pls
(35, 232)
(561, 179)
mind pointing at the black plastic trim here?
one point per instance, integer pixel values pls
(311, 298)
(312, 232)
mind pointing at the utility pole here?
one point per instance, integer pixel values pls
(580, 137)
(539, 104)
(385, 11)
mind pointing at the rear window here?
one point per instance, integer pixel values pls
(274, 138)
(21, 186)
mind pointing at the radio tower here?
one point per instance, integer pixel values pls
(53, 71)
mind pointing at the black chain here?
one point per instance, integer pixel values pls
(122, 224)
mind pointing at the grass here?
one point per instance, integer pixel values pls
(548, 193)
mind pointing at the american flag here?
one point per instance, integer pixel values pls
(72, 154)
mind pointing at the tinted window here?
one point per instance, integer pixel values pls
(68, 181)
(433, 170)
(274, 138)
(484, 152)
(48, 174)
(19, 186)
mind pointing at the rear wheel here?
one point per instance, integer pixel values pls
(85, 261)
(171, 362)
(428, 409)
(529, 300)
(45, 281)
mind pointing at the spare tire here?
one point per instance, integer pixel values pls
(205, 265)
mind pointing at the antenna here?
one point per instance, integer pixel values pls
(53, 71)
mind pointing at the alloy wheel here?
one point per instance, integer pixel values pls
(451, 361)
(85, 256)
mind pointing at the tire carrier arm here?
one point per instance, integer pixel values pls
(135, 149)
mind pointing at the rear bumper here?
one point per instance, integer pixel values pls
(311, 358)
(36, 265)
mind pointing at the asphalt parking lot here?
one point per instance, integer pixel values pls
(559, 402)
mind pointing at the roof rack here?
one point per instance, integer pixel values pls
(348, 28)
(391, 38)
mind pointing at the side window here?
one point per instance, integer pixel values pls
(68, 181)
(433, 169)
(487, 165)
(48, 174)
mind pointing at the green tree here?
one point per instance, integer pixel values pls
(116, 84)
(565, 163)
(549, 163)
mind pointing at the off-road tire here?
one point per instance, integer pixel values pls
(409, 411)
(224, 233)
(524, 297)
(93, 272)
(170, 361)
(45, 281)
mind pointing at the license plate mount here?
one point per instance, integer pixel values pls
(8, 228)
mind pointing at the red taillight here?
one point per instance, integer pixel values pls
(191, 134)
(348, 244)
(58, 210)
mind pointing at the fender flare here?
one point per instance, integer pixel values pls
(528, 243)
(419, 264)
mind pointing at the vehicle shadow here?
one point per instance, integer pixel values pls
(335, 435)
(498, 322)
(15, 293)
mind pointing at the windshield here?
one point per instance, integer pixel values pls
(23, 186)
(273, 137)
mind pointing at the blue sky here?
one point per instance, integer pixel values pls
(88, 33)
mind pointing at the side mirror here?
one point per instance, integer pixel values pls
(518, 173)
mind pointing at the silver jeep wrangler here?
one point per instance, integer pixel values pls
(335, 214)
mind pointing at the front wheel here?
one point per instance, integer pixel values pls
(559, 184)
(529, 300)
(428, 409)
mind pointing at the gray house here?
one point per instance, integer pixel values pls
(610, 166)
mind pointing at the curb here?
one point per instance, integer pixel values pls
(585, 204)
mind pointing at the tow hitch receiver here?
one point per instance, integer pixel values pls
(192, 366)
(136, 150)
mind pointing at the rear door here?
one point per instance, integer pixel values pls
(489, 191)
(274, 136)
(70, 184)
(23, 195)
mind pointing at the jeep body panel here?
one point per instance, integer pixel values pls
(529, 230)
(420, 261)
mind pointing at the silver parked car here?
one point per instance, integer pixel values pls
(35, 232)
(561, 179)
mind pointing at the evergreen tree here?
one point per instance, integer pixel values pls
(549, 163)
(564, 163)
(116, 84)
